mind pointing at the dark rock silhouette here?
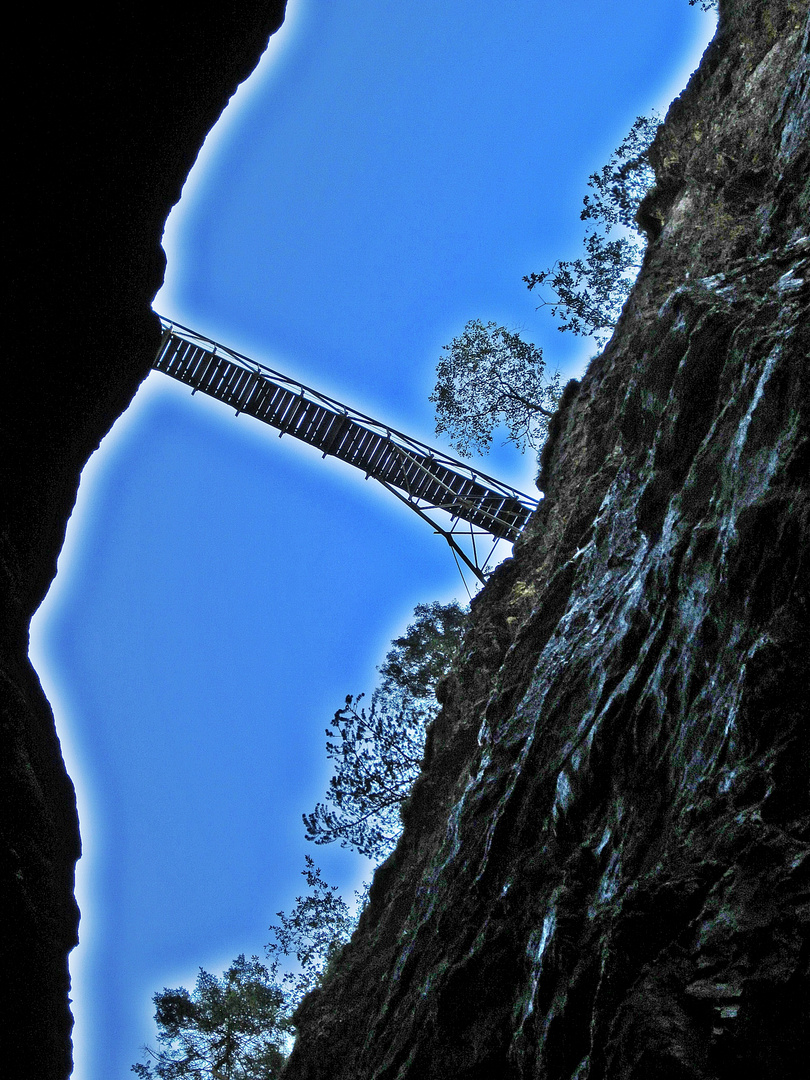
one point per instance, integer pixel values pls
(605, 868)
(108, 111)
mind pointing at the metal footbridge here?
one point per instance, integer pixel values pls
(482, 510)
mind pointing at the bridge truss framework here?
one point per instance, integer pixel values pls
(482, 510)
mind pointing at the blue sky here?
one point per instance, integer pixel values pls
(390, 172)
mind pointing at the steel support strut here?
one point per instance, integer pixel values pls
(425, 479)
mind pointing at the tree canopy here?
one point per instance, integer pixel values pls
(590, 291)
(240, 1026)
(377, 751)
(232, 1028)
(314, 932)
(489, 377)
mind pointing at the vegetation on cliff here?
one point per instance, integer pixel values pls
(239, 1026)
(488, 378)
(491, 378)
(231, 1028)
(590, 291)
(377, 752)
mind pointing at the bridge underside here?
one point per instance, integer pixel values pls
(479, 509)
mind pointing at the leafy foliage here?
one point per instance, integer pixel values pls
(418, 661)
(377, 759)
(239, 1027)
(378, 751)
(706, 5)
(316, 930)
(227, 1029)
(590, 291)
(490, 377)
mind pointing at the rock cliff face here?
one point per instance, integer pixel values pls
(108, 111)
(605, 868)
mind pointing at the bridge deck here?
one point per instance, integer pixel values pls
(423, 476)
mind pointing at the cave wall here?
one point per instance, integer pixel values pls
(605, 866)
(106, 113)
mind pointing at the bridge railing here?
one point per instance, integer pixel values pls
(424, 478)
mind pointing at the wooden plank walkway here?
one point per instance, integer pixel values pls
(423, 477)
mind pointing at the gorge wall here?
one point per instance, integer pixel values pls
(604, 871)
(108, 110)
(605, 867)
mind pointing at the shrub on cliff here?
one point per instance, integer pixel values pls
(377, 752)
(313, 933)
(488, 376)
(241, 1025)
(589, 292)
